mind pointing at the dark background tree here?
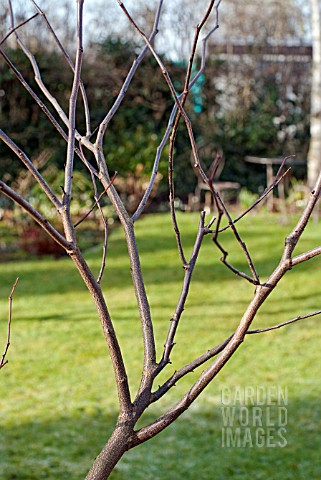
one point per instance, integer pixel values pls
(279, 91)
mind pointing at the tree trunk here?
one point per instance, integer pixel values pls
(110, 455)
(314, 154)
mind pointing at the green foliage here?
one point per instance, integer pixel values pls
(246, 198)
(262, 119)
(136, 130)
(21, 118)
(57, 394)
(83, 195)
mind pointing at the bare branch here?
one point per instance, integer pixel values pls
(169, 344)
(174, 132)
(167, 79)
(32, 169)
(137, 277)
(277, 179)
(103, 258)
(149, 189)
(108, 330)
(105, 223)
(104, 124)
(190, 367)
(32, 93)
(288, 322)
(160, 148)
(255, 280)
(72, 107)
(180, 105)
(174, 219)
(37, 217)
(234, 269)
(43, 107)
(195, 153)
(36, 71)
(306, 256)
(3, 360)
(292, 240)
(12, 30)
(260, 295)
(70, 63)
(97, 200)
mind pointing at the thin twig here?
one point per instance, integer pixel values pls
(105, 245)
(3, 360)
(190, 367)
(32, 93)
(170, 124)
(67, 196)
(43, 107)
(97, 200)
(43, 222)
(104, 124)
(231, 224)
(12, 30)
(85, 140)
(169, 344)
(72, 107)
(174, 132)
(167, 79)
(303, 257)
(288, 322)
(44, 89)
(255, 280)
(292, 240)
(37, 74)
(70, 63)
(105, 223)
(214, 168)
(277, 179)
(32, 169)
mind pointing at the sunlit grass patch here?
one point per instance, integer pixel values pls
(57, 394)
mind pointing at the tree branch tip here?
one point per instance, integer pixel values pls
(13, 288)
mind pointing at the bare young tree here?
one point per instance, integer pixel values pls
(87, 146)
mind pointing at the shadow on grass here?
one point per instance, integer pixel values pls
(191, 448)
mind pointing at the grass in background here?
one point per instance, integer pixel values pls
(57, 394)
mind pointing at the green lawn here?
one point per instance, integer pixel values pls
(57, 393)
